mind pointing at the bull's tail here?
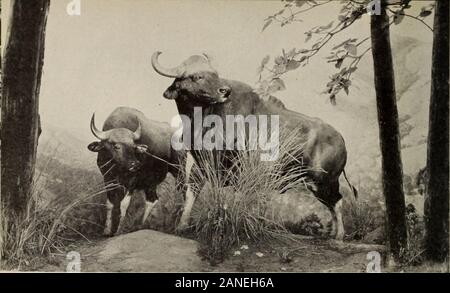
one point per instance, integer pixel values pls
(355, 192)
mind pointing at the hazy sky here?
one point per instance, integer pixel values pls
(101, 59)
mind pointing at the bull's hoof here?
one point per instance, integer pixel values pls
(119, 232)
(339, 237)
(107, 233)
(182, 229)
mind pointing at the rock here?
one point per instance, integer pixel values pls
(144, 251)
(295, 207)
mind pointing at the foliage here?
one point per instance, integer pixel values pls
(345, 56)
(54, 220)
(359, 219)
(413, 255)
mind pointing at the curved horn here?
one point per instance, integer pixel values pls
(97, 133)
(168, 72)
(137, 132)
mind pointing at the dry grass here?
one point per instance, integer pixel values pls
(232, 206)
(52, 221)
(359, 219)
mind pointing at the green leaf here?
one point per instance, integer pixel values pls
(300, 3)
(339, 63)
(325, 27)
(398, 17)
(292, 65)
(308, 36)
(279, 60)
(342, 18)
(277, 84)
(279, 12)
(341, 44)
(279, 68)
(352, 69)
(291, 53)
(351, 49)
(425, 12)
(268, 22)
(333, 99)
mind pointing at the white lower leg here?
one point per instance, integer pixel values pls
(148, 208)
(124, 204)
(339, 223)
(189, 196)
(108, 222)
(188, 203)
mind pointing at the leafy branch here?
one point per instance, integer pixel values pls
(295, 58)
(346, 52)
(400, 14)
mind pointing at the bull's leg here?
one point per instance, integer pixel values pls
(114, 195)
(189, 197)
(329, 195)
(151, 199)
(113, 210)
(187, 208)
(339, 223)
(334, 203)
(124, 204)
(108, 223)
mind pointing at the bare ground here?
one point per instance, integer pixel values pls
(152, 251)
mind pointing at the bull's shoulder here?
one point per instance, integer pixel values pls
(238, 86)
(276, 102)
(122, 117)
(126, 111)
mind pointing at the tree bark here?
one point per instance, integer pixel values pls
(437, 191)
(22, 69)
(392, 174)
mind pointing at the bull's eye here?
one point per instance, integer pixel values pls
(198, 77)
(116, 146)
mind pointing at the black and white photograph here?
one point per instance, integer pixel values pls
(245, 136)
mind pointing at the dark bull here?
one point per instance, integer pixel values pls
(134, 152)
(197, 84)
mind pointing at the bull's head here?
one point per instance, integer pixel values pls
(121, 144)
(195, 80)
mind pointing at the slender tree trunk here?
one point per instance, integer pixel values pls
(437, 195)
(22, 69)
(392, 175)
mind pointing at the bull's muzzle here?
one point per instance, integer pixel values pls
(224, 92)
(134, 166)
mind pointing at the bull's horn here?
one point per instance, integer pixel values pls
(97, 133)
(137, 132)
(168, 72)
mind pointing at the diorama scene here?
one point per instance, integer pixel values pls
(224, 136)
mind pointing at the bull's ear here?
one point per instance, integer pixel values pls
(141, 148)
(171, 93)
(95, 146)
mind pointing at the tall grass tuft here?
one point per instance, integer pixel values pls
(53, 221)
(232, 207)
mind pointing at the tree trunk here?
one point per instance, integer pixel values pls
(436, 197)
(392, 175)
(22, 70)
